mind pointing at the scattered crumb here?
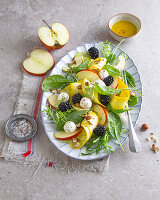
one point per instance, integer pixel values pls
(148, 139)
(151, 133)
(131, 93)
(152, 137)
(156, 140)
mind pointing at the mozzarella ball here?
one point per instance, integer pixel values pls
(100, 83)
(124, 119)
(103, 74)
(69, 127)
(63, 97)
(85, 103)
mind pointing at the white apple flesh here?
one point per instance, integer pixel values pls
(53, 101)
(115, 83)
(101, 113)
(87, 74)
(55, 38)
(61, 135)
(39, 62)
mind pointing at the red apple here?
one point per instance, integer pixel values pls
(61, 135)
(54, 37)
(53, 101)
(39, 62)
(87, 74)
(115, 83)
(101, 113)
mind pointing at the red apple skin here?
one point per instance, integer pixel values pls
(50, 104)
(105, 112)
(70, 137)
(51, 48)
(40, 74)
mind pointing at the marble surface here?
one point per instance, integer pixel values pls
(131, 176)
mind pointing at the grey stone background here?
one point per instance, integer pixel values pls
(131, 176)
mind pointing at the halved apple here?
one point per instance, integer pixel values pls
(88, 74)
(101, 113)
(53, 101)
(61, 135)
(115, 83)
(39, 62)
(53, 38)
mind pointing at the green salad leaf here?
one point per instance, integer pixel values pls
(105, 90)
(112, 70)
(54, 82)
(60, 118)
(133, 100)
(98, 143)
(131, 81)
(107, 52)
(110, 109)
(82, 66)
(115, 126)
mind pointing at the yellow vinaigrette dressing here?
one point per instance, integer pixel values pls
(124, 28)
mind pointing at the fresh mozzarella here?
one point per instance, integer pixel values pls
(121, 63)
(63, 97)
(69, 127)
(100, 83)
(85, 103)
(103, 74)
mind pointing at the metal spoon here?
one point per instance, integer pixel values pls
(134, 143)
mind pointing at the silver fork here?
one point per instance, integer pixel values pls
(134, 143)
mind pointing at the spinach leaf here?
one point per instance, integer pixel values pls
(82, 66)
(115, 126)
(105, 90)
(112, 70)
(133, 100)
(110, 109)
(54, 82)
(130, 79)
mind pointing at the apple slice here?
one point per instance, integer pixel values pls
(53, 101)
(87, 74)
(115, 83)
(101, 113)
(54, 37)
(61, 135)
(39, 62)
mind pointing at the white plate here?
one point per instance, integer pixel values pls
(50, 127)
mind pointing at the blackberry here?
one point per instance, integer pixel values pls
(77, 98)
(99, 130)
(104, 99)
(108, 80)
(63, 107)
(93, 52)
